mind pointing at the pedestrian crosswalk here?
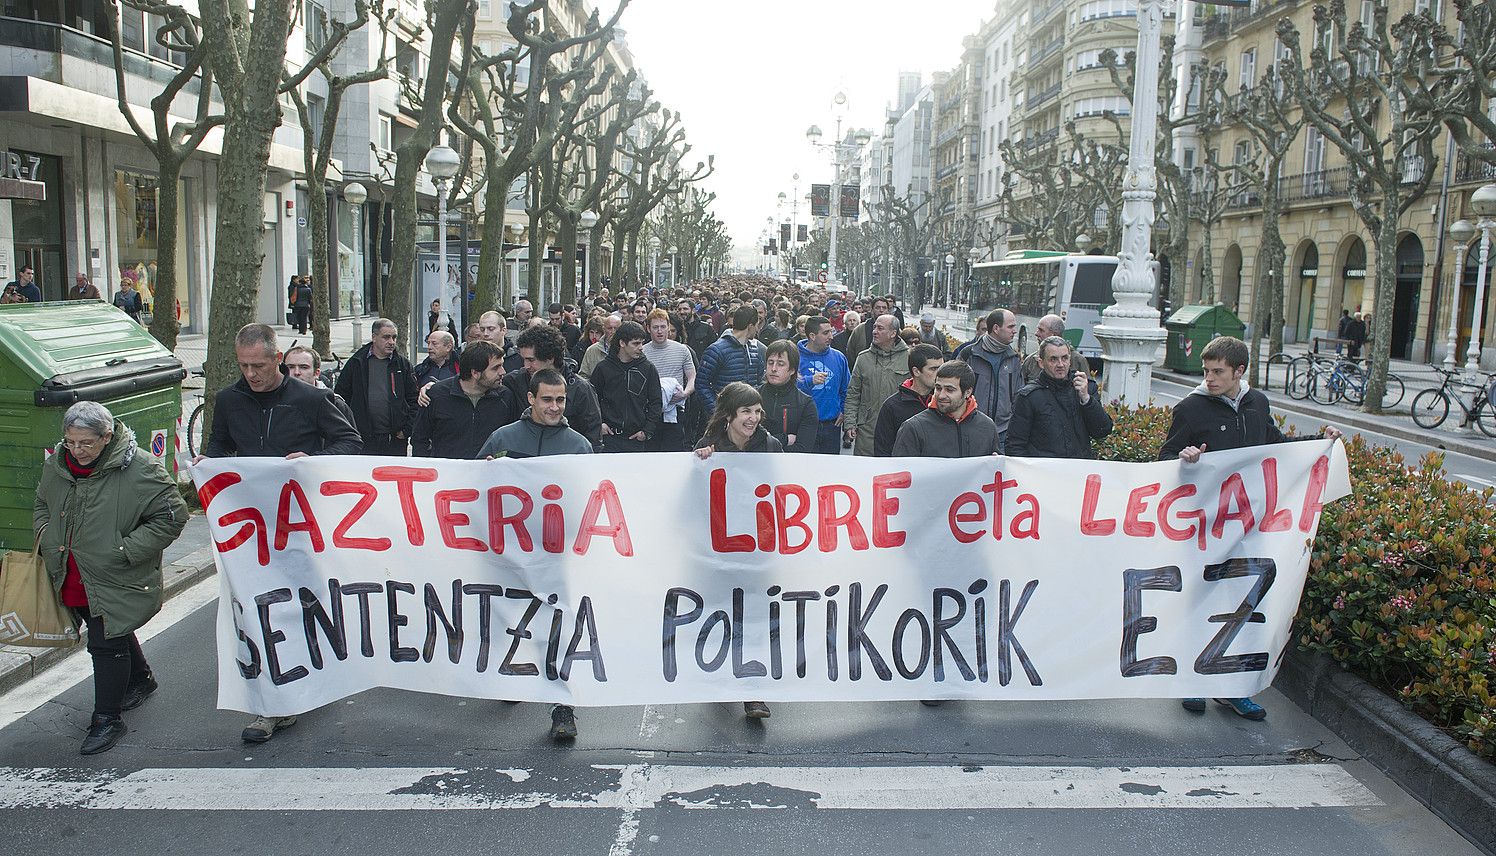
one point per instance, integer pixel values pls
(632, 787)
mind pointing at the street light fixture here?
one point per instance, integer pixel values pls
(838, 150)
(950, 263)
(356, 194)
(1460, 231)
(442, 162)
(1083, 242)
(672, 251)
(587, 220)
(1483, 202)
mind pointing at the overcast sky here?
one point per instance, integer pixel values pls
(750, 77)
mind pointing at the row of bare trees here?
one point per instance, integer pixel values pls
(549, 114)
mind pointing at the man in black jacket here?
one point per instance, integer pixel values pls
(789, 414)
(465, 409)
(1058, 415)
(691, 330)
(266, 414)
(953, 426)
(380, 385)
(628, 393)
(1223, 413)
(912, 397)
(544, 348)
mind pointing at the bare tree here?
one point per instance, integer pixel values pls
(1474, 53)
(653, 174)
(911, 233)
(444, 18)
(1043, 196)
(1342, 89)
(172, 143)
(316, 152)
(246, 49)
(1266, 111)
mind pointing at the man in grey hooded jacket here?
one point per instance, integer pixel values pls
(999, 370)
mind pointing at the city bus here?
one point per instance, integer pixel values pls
(1035, 283)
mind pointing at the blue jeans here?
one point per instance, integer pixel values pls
(828, 438)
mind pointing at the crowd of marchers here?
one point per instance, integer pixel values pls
(738, 364)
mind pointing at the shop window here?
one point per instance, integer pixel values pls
(137, 238)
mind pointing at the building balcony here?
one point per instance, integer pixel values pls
(1314, 186)
(949, 134)
(1045, 13)
(1043, 138)
(1215, 28)
(1471, 170)
(1240, 18)
(947, 171)
(82, 61)
(1037, 99)
(1044, 52)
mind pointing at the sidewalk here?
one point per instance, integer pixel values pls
(1396, 422)
(192, 348)
(187, 561)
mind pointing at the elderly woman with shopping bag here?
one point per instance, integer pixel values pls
(105, 511)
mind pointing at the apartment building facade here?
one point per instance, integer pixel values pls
(1330, 268)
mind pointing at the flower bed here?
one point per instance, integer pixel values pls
(1402, 581)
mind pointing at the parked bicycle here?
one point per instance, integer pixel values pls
(1431, 406)
(1329, 379)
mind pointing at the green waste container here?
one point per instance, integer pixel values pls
(53, 355)
(1191, 329)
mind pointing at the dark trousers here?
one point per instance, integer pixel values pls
(385, 444)
(828, 438)
(117, 663)
(621, 443)
(300, 316)
(671, 438)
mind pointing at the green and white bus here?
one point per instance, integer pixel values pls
(1035, 283)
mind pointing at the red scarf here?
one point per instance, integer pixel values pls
(970, 408)
(72, 592)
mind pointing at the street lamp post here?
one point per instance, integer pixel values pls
(950, 264)
(442, 162)
(355, 194)
(838, 148)
(1130, 333)
(672, 251)
(587, 220)
(654, 262)
(1483, 201)
(1460, 231)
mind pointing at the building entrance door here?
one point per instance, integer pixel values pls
(46, 260)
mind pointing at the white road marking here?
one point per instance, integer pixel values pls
(1476, 479)
(634, 787)
(77, 666)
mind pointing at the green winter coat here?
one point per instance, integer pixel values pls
(876, 375)
(116, 523)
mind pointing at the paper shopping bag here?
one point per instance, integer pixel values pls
(30, 613)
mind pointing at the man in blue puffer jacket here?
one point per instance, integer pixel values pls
(736, 356)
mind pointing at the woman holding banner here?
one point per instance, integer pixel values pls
(104, 513)
(736, 425)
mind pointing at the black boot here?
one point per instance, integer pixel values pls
(138, 691)
(103, 732)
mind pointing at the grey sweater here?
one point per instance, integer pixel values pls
(527, 439)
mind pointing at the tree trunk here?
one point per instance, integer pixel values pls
(377, 261)
(1384, 241)
(536, 256)
(566, 236)
(324, 289)
(252, 112)
(595, 258)
(1207, 268)
(490, 286)
(409, 158)
(164, 324)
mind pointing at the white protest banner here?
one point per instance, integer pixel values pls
(662, 578)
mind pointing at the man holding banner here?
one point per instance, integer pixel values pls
(1223, 413)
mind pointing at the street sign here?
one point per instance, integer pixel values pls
(821, 276)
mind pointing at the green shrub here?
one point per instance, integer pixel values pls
(1402, 580)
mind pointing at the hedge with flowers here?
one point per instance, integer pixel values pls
(1402, 582)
